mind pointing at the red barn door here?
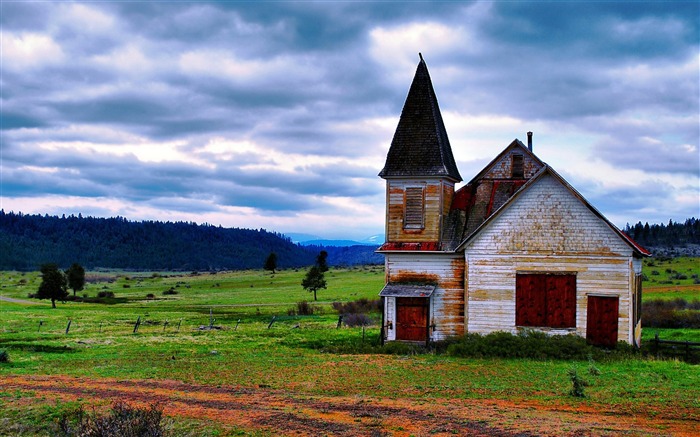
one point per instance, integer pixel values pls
(601, 326)
(411, 318)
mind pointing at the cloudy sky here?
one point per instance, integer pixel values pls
(278, 115)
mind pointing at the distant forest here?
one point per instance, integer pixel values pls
(28, 241)
(667, 238)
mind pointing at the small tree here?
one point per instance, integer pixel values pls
(53, 284)
(76, 277)
(314, 280)
(321, 261)
(271, 262)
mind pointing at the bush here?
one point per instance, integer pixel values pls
(529, 344)
(123, 421)
(170, 291)
(577, 384)
(304, 308)
(671, 313)
(353, 320)
(4, 356)
(363, 306)
(150, 296)
(105, 294)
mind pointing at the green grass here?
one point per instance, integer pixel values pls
(672, 278)
(101, 344)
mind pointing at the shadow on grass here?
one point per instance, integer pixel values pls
(35, 347)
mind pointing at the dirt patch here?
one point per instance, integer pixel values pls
(280, 412)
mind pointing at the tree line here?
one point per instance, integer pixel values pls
(30, 241)
(665, 235)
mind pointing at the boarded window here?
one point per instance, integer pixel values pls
(518, 170)
(545, 300)
(414, 208)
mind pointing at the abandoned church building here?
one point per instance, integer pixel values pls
(516, 248)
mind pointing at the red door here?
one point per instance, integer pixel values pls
(412, 318)
(601, 326)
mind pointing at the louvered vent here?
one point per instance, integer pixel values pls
(414, 208)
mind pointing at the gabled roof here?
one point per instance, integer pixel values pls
(420, 146)
(515, 144)
(547, 170)
(486, 192)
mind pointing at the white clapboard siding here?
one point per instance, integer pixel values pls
(548, 230)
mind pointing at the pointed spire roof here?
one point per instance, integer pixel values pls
(420, 146)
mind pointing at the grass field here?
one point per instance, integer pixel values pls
(253, 378)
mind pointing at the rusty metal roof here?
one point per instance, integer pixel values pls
(426, 246)
(475, 202)
(407, 290)
(420, 146)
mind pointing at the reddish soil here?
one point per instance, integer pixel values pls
(277, 412)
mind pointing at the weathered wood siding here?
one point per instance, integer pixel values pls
(390, 318)
(437, 198)
(546, 229)
(503, 167)
(446, 303)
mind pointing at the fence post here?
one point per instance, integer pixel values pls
(271, 322)
(68, 327)
(340, 321)
(656, 344)
(41, 322)
(178, 325)
(239, 321)
(136, 325)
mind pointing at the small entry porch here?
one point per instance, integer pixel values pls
(406, 314)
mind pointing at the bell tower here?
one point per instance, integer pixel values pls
(420, 170)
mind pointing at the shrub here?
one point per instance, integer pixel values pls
(123, 421)
(304, 308)
(353, 320)
(169, 291)
(363, 305)
(528, 344)
(4, 356)
(150, 296)
(105, 294)
(671, 313)
(577, 384)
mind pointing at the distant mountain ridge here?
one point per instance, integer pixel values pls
(315, 240)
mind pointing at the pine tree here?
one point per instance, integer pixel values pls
(314, 280)
(76, 277)
(53, 284)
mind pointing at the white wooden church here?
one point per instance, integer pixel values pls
(514, 248)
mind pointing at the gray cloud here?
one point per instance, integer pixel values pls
(84, 82)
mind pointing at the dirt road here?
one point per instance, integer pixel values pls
(22, 301)
(276, 412)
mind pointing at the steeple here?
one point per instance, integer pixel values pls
(420, 147)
